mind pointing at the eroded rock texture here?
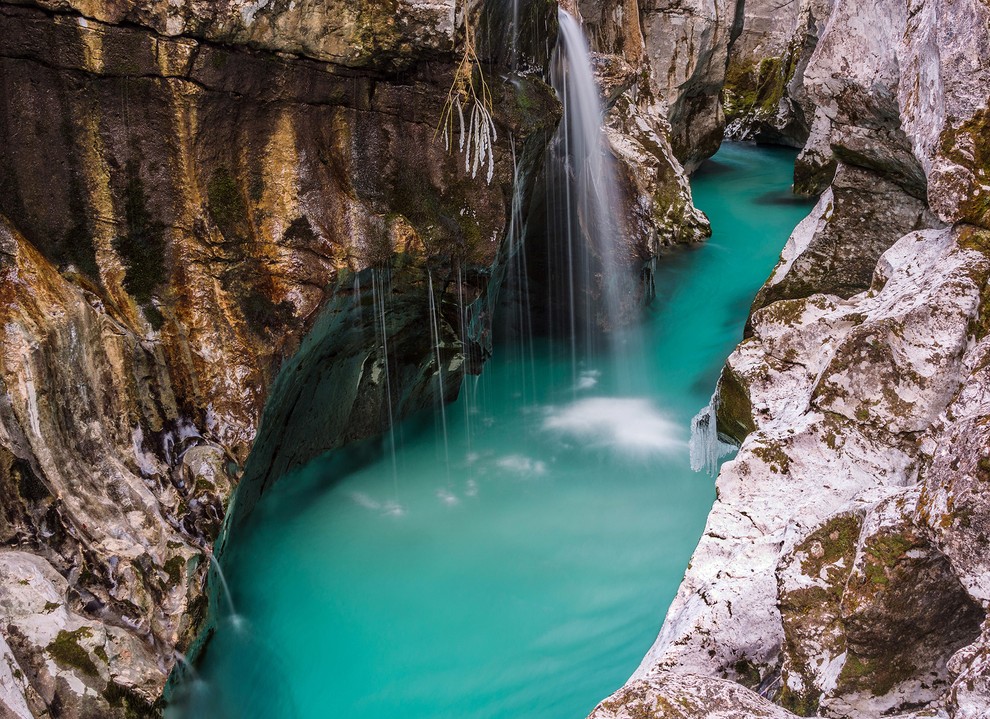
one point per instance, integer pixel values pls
(205, 205)
(656, 194)
(682, 48)
(179, 204)
(842, 572)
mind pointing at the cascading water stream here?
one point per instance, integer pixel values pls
(235, 618)
(579, 244)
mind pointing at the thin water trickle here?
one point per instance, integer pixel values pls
(442, 403)
(534, 584)
(381, 291)
(235, 619)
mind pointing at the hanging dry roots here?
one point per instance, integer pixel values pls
(470, 103)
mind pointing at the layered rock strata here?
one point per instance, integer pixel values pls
(195, 196)
(842, 571)
(183, 190)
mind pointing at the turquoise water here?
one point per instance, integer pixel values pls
(521, 569)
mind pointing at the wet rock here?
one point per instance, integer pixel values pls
(181, 188)
(814, 574)
(656, 195)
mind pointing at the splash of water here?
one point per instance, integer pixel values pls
(620, 423)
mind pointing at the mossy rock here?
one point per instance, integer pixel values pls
(66, 650)
(133, 704)
(142, 244)
(734, 414)
(226, 205)
(968, 145)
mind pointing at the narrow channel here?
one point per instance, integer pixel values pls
(525, 577)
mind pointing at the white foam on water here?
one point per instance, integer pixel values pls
(628, 424)
(388, 509)
(447, 497)
(519, 464)
(588, 379)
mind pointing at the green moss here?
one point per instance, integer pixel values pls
(785, 312)
(803, 704)
(133, 704)
(51, 607)
(65, 650)
(78, 249)
(773, 455)
(142, 245)
(753, 89)
(968, 145)
(102, 654)
(747, 672)
(226, 205)
(734, 415)
(174, 568)
(203, 486)
(837, 538)
(883, 552)
(873, 674)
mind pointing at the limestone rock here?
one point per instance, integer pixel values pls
(765, 97)
(182, 185)
(799, 527)
(356, 34)
(687, 697)
(836, 248)
(685, 46)
(656, 195)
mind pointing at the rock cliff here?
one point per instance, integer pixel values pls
(202, 203)
(683, 49)
(842, 571)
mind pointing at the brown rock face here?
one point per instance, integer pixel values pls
(208, 210)
(186, 191)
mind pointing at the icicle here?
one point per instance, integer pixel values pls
(705, 447)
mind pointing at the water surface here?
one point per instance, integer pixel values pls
(521, 569)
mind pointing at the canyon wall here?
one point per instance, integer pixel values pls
(205, 206)
(843, 569)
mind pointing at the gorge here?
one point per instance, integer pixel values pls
(265, 309)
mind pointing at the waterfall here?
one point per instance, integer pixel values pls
(705, 446)
(583, 229)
